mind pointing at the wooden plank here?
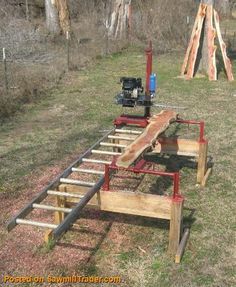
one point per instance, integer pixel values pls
(227, 63)
(149, 205)
(186, 59)
(182, 245)
(176, 146)
(196, 43)
(202, 161)
(211, 34)
(157, 125)
(175, 225)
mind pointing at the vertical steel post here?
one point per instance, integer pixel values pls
(106, 185)
(201, 135)
(148, 73)
(176, 185)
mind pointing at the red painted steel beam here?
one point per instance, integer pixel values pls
(201, 127)
(139, 168)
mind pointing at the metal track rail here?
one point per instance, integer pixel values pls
(43, 194)
(77, 168)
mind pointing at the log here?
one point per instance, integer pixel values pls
(157, 125)
(227, 63)
(196, 43)
(211, 34)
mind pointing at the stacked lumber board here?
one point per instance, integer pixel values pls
(207, 21)
(157, 125)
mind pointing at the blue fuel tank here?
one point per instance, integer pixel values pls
(153, 83)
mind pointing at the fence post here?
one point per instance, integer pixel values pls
(5, 68)
(27, 9)
(68, 49)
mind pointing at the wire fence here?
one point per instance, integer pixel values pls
(32, 60)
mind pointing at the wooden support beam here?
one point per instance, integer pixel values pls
(149, 205)
(202, 161)
(176, 146)
(60, 202)
(182, 245)
(175, 225)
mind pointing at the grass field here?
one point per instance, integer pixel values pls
(49, 135)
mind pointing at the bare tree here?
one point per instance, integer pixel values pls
(64, 15)
(57, 16)
(52, 18)
(118, 21)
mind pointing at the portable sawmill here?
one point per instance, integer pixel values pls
(88, 182)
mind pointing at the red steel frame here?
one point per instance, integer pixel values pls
(140, 168)
(143, 122)
(148, 67)
(201, 127)
(131, 120)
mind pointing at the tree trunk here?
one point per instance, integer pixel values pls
(204, 42)
(118, 18)
(52, 19)
(64, 15)
(57, 16)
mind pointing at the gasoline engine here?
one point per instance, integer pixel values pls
(132, 92)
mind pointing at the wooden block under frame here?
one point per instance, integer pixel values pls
(141, 204)
(188, 148)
